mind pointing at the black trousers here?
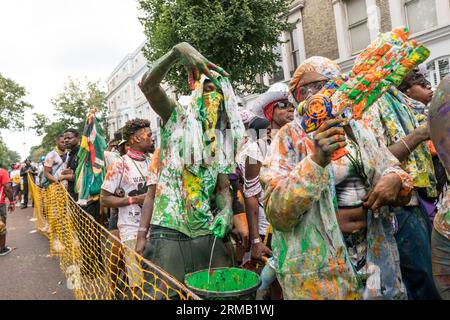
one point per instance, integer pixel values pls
(25, 194)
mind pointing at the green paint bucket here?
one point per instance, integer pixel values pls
(224, 284)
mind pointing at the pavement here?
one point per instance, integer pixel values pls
(28, 272)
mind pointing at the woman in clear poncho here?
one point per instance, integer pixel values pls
(332, 233)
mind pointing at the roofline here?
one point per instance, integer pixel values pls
(126, 58)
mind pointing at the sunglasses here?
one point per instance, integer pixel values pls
(311, 88)
(284, 105)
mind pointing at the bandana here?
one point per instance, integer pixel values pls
(203, 106)
(209, 114)
(136, 155)
(268, 110)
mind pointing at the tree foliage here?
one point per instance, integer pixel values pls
(12, 105)
(71, 109)
(7, 156)
(238, 35)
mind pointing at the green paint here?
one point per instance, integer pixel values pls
(224, 280)
(282, 252)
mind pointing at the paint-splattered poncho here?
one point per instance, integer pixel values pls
(186, 182)
(311, 258)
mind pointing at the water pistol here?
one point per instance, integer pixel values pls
(384, 63)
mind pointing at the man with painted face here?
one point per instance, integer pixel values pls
(439, 120)
(192, 200)
(125, 187)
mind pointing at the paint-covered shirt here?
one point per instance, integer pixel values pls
(391, 118)
(130, 175)
(183, 198)
(187, 177)
(442, 218)
(311, 258)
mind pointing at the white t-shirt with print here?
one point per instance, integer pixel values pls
(53, 160)
(130, 175)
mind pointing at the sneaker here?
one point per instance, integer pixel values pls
(5, 251)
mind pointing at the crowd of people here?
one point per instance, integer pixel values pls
(253, 189)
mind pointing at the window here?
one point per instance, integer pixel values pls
(438, 69)
(420, 14)
(357, 24)
(279, 75)
(295, 50)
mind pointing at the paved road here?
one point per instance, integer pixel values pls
(29, 273)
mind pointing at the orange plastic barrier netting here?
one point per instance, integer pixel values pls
(97, 266)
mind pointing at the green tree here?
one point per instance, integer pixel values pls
(12, 105)
(71, 109)
(73, 103)
(7, 156)
(238, 35)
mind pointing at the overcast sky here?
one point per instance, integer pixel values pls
(43, 42)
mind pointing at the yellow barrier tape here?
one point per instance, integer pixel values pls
(96, 264)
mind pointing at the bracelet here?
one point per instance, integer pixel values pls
(256, 241)
(130, 200)
(142, 229)
(406, 145)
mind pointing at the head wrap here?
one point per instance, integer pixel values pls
(322, 66)
(264, 106)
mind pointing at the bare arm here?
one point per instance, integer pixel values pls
(146, 217)
(151, 85)
(48, 175)
(8, 192)
(222, 222)
(193, 62)
(252, 203)
(259, 249)
(419, 135)
(147, 209)
(111, 201)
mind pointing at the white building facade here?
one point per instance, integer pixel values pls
(124, 98)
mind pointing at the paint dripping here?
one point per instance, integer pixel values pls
(210, 261)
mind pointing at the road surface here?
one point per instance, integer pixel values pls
(28, 272)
